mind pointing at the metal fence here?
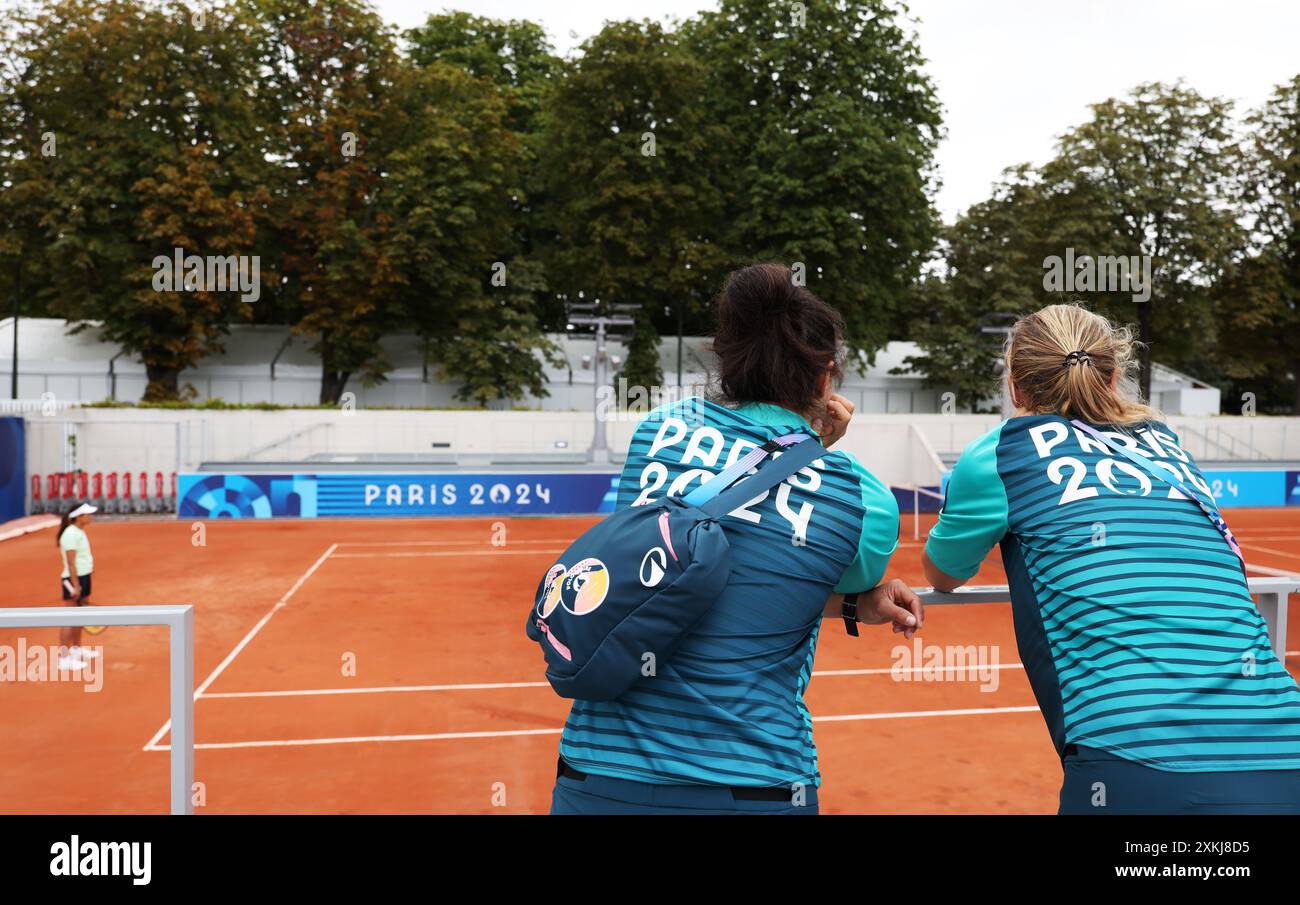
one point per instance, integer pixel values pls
(180, 623)
(1270, 598)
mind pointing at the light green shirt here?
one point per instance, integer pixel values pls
(74, 538)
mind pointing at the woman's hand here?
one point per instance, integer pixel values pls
(839, 411)
(893, 602)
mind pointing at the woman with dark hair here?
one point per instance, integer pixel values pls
(721, 727)
(78, 564)
(1134, 621)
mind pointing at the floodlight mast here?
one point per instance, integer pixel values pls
(587, 315)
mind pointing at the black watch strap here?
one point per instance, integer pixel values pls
(849, 612)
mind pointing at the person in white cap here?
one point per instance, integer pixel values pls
(78, 563)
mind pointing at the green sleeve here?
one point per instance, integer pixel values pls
(974, 515)
(879, 536)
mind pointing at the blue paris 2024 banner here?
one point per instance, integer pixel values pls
(319, 495)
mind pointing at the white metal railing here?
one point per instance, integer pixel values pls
(37, 406)
(287, 442)
(927, 449)
(917, 492)
(180, 622)
(1270, 598)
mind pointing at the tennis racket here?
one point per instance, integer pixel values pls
(88, 629)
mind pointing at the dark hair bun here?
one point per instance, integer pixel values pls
(766, 289)
(774, 339)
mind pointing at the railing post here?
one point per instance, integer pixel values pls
(182, 707)
(180, 624)
(1273, 607)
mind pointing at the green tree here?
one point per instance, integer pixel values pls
(1259, 298)
(829, 128)
(107, 103)
(516, 59)
(629, 171)
(327, 73)
(513, 54)
(1150, 176)
(452, 184)
(989, 270)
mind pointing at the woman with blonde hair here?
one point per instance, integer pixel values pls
(1133, 618)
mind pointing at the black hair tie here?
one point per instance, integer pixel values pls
(1077, 357)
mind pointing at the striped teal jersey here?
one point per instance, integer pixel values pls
(1132, 614)
(727, 707)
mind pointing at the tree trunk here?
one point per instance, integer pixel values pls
(164, 384)
(332, 384)
(1144, 351)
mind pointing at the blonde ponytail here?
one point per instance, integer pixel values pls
(1068, 361)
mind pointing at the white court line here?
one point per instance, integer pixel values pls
(913, 714)
(221, 667)
(889, 670)
(310, 692)
(1267, 570)
(1275, 552)
(509, 733)
(494, 552)
(489, 686)
(358, 739)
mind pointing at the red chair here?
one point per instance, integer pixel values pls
(66, 502)
(38, 505)
(83, 480)
(142, 494)
(125, 504)
(173, 502)
(157, 503)
(110, 496)
(97, 489)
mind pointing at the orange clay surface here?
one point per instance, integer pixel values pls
(380, 666)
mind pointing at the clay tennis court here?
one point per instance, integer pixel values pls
(380, 666)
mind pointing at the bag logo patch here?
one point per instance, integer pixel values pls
(551, 590)
(652, 566)
(580, 589)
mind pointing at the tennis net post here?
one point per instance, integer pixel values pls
(180, 623)
(1271, 597)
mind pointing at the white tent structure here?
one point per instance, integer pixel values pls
(269, 364)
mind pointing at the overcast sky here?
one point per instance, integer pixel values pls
(1011, 74)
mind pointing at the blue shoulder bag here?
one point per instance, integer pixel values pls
(622, 596)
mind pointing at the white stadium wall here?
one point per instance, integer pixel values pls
(902, 449)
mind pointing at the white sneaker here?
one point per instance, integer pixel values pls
(85, 653)
(72, 664)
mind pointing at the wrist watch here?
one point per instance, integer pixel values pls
(849, 612)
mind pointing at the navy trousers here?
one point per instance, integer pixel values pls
(1100, 783)
(605, 795)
